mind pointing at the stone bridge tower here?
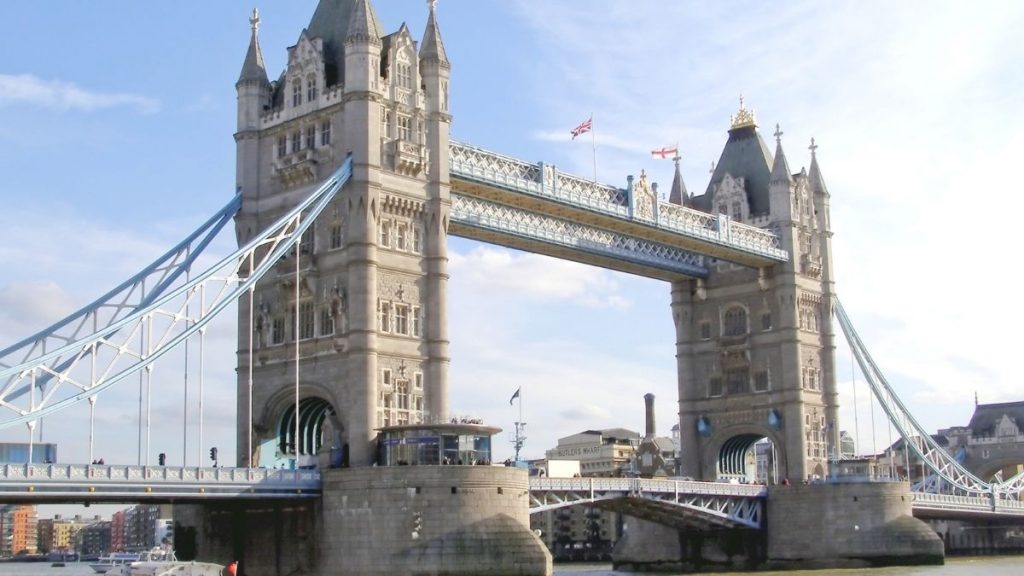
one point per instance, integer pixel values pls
(755, 348)
(369, 323)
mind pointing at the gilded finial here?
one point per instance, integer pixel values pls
(254, 20)
(813, 148)
(778, 134)
(743, 117)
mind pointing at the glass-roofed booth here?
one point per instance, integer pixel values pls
(435, 444)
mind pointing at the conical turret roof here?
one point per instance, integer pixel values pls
(254, 69)
(678, 194)
(780, 168)
(330, 23)
(745, 155)
(814, 178)
(433, 46)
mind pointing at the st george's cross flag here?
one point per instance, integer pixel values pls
(666, 152)
(583, 128)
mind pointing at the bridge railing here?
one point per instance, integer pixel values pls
(545, 181)
(968, 503)
(637, 485)
(113, 474)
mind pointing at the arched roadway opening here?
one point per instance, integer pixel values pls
(317, 425)
(746, 457)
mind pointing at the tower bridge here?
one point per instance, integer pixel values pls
(348, 189)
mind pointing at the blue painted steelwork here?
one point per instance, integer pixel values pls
(955, 478)
(166, 269)
(542, 181)
(281, 237)
(475, 213)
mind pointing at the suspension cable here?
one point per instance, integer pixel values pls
(853, 384)
(295, 310)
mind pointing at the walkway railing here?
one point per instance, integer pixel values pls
(544, 181)
(70, 482)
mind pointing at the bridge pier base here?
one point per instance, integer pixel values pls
(452, 520)
(847, 526)
(649, 547)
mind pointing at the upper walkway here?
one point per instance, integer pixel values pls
(533, 206)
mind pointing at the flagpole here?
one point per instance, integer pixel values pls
(593, 144)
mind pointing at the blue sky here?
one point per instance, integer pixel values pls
(116, 124)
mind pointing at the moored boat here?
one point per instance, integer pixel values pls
(105, 563)
(161, 561)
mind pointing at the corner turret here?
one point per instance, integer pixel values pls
(253, 87)
(678, 194)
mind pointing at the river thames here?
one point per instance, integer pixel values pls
(973, 566)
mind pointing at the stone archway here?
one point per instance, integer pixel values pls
(747, 455)
(319, 429)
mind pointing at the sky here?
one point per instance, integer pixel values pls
(116, 123)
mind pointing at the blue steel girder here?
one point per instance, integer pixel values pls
(542, 189)
(83, 483)
(714, 503)
(496, 223)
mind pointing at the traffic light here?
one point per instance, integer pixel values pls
(161, 458)
(213, 453)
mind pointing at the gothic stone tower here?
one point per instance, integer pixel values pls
(755, 348)
(371, 322)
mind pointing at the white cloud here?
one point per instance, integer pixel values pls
(26, 89)
(502, 273)
(28, 307)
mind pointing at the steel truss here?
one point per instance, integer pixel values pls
(90, 363)
(135, 293)
(545, 181)
(725, 504)
(491, 216)
(948, 475)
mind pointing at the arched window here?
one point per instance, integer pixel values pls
(735, 321)
(296, 92)
(311, 91)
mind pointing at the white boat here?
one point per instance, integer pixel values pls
(162, 562)
(106, 563)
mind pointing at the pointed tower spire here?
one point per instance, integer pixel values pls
(433, 46)
(814, 175)
(362, 24)
(678, 194)
(253, 69)
(780, 168)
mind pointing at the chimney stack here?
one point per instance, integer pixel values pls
(649, 403)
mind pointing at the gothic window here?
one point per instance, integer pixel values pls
(737, 380)
(766, 321)
(417, 239)
(385, 233)
(296, 92)
(418, 381)
(385, 123)
(282, 146)
(761, 383)
(402, 237)
(401, 319)
(404, 75)
(737, 211)
(277, 334)
(385, 378)
(404, 127)
(385, 317)
(306, 317)
(402, 390)
(325, 133)
(416, 328)
(735, 321)
(335, 233)
(444, 90)
(705, 330)
(715, 386)
(326, 321)
(296, 142)
(311, 136)
(311, 89)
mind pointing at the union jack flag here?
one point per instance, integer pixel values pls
(583, 128)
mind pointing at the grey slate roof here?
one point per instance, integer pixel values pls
(678, 194)
(986, 416)
(330, 23)
(433, 46)
(745, 154)
(814, 178)
(253, 69)
(780, 168)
